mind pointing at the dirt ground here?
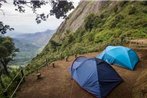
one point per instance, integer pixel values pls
(140, 41)
(57, 83)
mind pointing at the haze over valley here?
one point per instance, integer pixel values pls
(29, 45)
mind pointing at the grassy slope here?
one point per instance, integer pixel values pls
(116, 24)
(81, 41)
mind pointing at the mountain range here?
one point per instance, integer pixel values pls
(29, 45)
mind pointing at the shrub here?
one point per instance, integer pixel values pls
(53, 45)
(132, 10)
(89, 22)
(115, 9)
(116, 20)
(144, 11)
(90, 37)
(102, 16)
(69, 39)
(92, 21)
(78, 34)
(144, 2)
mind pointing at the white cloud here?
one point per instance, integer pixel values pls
(25, 22)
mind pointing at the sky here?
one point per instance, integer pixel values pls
(25, 22)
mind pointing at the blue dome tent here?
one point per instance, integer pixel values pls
(122, 56)
(95, 76)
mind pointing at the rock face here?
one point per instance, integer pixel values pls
(76, 18)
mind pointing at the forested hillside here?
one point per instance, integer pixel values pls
(29, 46)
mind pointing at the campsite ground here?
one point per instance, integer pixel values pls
(57, 83)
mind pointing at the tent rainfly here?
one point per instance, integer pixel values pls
(120, 55)
(95, 76)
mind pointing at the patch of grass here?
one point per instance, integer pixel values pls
(7, 80)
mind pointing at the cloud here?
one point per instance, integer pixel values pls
(25, 22)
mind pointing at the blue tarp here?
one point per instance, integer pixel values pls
(94, 75)
(120, 55)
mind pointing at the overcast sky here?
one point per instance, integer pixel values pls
(25, 22)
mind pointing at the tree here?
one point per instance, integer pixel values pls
(7, 52)
(59, 8)
(6, 45)
(92, 21)
(4, 28)
(54, 45)
(7, 48)
(1, 82)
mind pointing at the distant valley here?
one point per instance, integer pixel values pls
(29, 45)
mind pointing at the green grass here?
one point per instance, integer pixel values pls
(7, 80)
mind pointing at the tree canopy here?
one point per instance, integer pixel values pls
(59, 8)
(4, 28)
(7, 51)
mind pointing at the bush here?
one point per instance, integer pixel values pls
(78, 34)
(123, 3)
(69, 39)
(90, 37)
(53, 45)
(116, 20)
(132, 10)
(93, 21)
(7, 79)
(144, 2)
(115, 9)
(144, 11)
(89, 22)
